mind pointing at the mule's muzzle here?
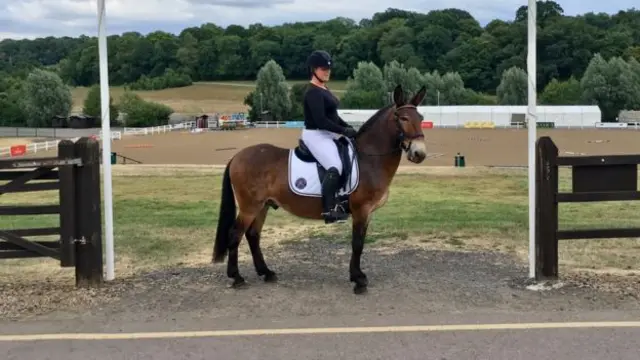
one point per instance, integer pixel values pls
(417, 152)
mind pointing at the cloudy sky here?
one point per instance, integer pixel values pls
(35, 18)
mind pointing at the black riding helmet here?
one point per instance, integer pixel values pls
(319, 58)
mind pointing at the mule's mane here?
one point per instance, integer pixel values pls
(374, 119)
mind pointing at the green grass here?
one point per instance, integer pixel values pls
(161, 220)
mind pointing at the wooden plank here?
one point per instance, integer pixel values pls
(30, 210)
(598, 233)
(19, 254)
(67, 196)
(21, 181)
(546, 242)
(34, 231)
(10, 246)
(37, 162)
(44, 186)
(593, 160)
(88, 219)
(29, 245)
(598, 196)
(14, 174)
(604, 178)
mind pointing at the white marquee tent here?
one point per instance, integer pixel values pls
(498, 116)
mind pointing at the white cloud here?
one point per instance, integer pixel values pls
(32, 18)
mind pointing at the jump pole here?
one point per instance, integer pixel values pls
(532, 125)
(106, 142)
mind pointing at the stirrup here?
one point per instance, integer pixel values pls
(335, 215)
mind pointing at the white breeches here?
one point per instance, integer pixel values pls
(321, 145)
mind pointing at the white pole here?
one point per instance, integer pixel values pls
(106, 142)
(531, 126)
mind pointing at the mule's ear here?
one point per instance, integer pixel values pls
(419, 96)
(398, 95)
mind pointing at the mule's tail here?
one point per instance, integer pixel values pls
(226, 218)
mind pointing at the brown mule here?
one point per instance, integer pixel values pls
(257, 178)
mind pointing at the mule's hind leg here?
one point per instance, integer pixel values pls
(253, 237)
(243, 220)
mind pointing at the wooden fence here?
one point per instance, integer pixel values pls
(77, 178)
(594, 179)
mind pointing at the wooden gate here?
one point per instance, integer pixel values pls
(75, 173)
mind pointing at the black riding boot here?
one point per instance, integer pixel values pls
(329, 193)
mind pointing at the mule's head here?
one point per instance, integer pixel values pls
(408, 121)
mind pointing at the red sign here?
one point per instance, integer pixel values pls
(18, 150)
(427, 125)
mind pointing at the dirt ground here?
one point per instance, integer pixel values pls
(503, 147)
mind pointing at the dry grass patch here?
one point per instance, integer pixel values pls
(202, 97)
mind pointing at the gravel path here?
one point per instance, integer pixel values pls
(313, 281)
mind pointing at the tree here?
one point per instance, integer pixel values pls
(632, 52)
(45, 96)
(93, 105)
(366, 89)
(562, 92)
(297, 97)
(635, 68)
(395, 73)
(141, 113)
(447, 89)
(11, 113)
(272, 88)
(611, 85)
(513, 87)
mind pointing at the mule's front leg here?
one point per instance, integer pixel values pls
(358, 233)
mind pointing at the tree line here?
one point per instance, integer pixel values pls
(42, 96)
(449, 40)
(612, 84)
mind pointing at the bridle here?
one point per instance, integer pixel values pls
(401, 136)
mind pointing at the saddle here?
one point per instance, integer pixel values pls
(342, 143)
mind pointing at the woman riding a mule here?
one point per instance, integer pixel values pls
(256, 179)
(322, 125)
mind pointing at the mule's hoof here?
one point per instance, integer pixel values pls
(271, 277)
(360, 289)
(238, 283)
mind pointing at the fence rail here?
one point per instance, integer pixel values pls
(40, 146)
(159, 129)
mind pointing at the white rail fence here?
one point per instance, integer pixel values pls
(41, 146)
(159, 129)
(115, 135)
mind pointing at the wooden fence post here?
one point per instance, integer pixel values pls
(88, 215)
(67, 194)
(546, 209)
